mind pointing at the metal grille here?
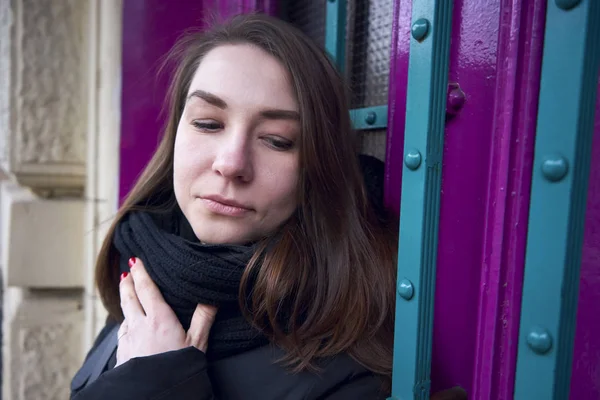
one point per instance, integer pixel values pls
(309, 17)
(373, 143)
(368, 41)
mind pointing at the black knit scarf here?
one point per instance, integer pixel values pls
(188, 272)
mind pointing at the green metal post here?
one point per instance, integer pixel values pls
(419, 208)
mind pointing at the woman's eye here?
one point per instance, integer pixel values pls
(279, 144)
(207, 126)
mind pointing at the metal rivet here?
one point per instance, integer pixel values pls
(420, 29)
(422, 388)
(455, 100)
(555, 168)
(406, 289)
(371, 117)
(567, 4)
(412, 160)
(539, 340)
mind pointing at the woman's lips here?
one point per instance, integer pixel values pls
(224, 207)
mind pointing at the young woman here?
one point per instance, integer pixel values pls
(249, 261)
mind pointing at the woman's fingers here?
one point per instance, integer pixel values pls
(150, 326)
(159, 331)
(147, 292)
(130, 304)
(202, 321)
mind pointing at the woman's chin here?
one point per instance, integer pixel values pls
(221, 235)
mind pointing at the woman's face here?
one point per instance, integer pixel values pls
(236, 161)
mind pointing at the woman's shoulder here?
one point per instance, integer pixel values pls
(260, 374)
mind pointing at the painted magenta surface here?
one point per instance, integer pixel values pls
(465, 188)
(397, 103)
(520, 49)
(150, 28)
(585, 379)
(228, 8)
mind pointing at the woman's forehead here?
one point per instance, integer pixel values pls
(240, 75)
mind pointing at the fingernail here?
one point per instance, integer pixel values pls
(124, 275)
(132, 261)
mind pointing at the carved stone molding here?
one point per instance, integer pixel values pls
(43, 104)
(48, 346)
(39, 355)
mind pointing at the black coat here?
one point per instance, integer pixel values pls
(186, 375)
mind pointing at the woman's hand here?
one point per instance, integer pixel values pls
(150, 325)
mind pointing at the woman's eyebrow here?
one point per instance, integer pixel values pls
(277, 114)
(209, 98)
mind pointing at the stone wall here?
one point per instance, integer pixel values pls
(48, 73)
(43, 92)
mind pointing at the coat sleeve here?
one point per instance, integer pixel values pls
(179, 374)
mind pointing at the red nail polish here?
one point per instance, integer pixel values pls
(132, 261)
(124, 275)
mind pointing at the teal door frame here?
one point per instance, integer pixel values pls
(420, 197)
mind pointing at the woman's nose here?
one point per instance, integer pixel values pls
(233, 159)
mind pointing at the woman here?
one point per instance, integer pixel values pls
(251, 223)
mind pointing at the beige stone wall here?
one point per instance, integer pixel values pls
(43, 117)
(40, 330)
(59, 77)
(6, 23)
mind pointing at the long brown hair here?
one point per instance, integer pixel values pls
(327, 284)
